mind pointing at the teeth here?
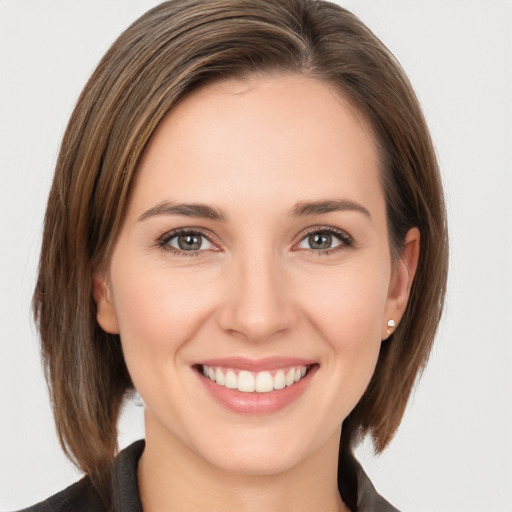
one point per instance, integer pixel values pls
(219, 377)
(231, 381)
(245, 382)
(290, 377)
(264, 382)
(249, 382)
(279, 382)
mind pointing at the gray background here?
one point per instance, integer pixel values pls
(453, 451)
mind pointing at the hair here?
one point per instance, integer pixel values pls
(170, 51)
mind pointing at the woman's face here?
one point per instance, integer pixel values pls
(255, 251)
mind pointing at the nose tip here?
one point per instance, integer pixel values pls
(256, 306)
(255, 331)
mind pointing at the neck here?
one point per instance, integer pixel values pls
(173, 477)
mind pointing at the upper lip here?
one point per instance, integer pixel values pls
(256, 365)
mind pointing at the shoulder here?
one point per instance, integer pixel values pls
(356, 489)
(368, 499)
(79, 497)
(83, 497)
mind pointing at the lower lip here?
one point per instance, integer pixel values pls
(257, 403)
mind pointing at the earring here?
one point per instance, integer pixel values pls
(391, 327)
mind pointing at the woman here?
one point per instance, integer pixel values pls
(246, 225)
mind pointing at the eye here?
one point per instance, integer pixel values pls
(185, 241)
(326, 239)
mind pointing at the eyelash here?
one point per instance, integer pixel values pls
(163, 241)
(346, 241)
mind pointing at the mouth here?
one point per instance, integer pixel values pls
(247, 387)
(254, 382)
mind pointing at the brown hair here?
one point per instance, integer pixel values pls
(171, 50)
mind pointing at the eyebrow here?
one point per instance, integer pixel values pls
(197, 210)
(203, 211)
(304, 208)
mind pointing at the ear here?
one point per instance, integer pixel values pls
(400, 284)
(105, 312)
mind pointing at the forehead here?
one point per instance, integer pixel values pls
(268, 137)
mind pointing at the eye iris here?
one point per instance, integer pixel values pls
(189, 242)
(320, 241)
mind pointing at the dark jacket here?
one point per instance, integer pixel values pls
(82, 497)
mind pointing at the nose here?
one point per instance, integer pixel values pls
(257, 305)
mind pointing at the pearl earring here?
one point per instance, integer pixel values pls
(391, 327)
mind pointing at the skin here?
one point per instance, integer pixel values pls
(253, 150)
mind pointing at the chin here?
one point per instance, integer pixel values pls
(255, 460)
(258, 449)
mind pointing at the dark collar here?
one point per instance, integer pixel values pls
(368, 499)
(125, 488)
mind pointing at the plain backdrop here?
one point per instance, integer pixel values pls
(453, 451)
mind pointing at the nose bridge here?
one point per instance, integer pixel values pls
(257, 306)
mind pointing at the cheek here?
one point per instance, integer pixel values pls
(346, 311)
(347, 304)
(158, 311)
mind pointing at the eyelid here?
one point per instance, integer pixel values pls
(347, 241)
(163, 240)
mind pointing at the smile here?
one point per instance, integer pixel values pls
(254, 382)
(254, 387)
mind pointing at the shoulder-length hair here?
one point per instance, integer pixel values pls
(173, 49)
